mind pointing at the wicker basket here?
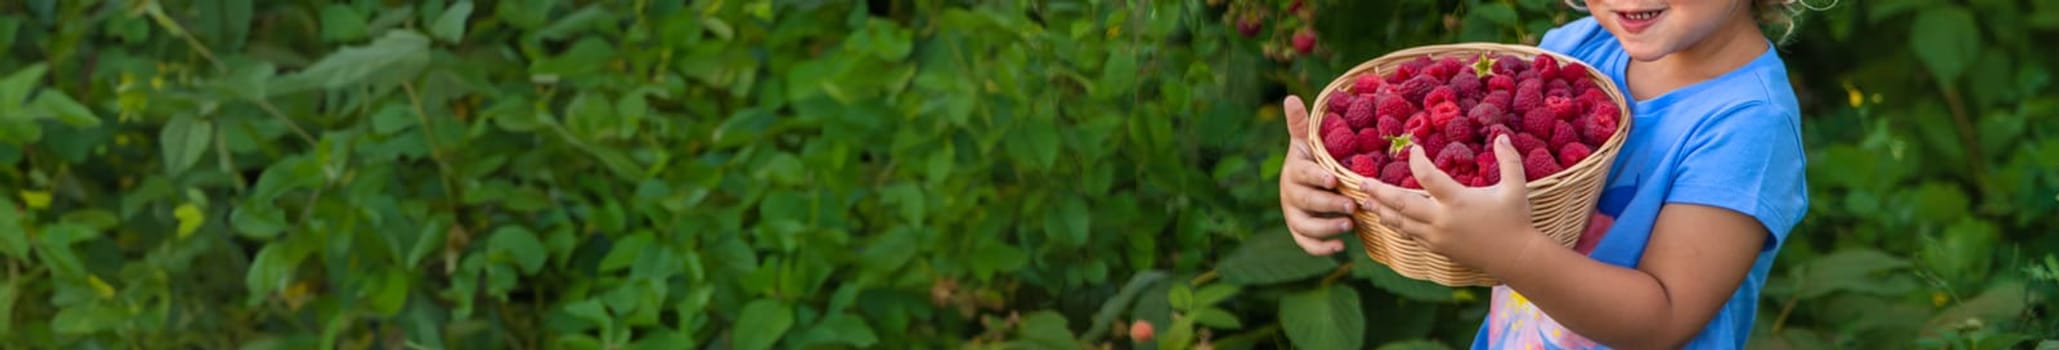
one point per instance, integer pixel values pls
(1559, 204)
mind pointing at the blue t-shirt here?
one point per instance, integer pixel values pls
(1731, 142)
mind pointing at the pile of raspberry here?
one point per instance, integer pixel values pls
(1453, 107)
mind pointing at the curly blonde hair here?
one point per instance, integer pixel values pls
(1782, 15)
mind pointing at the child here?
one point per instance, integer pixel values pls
(1701, 195)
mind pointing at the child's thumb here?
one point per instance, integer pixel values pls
(1297, 118)
(1511, 161)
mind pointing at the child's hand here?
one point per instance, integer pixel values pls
(1474, 226)
(1309, 200)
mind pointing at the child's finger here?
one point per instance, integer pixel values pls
(1310, 174)
(1307, 224)
(1401, 201)
(1511, 162)
(1320, 201)
(1434, 180)
(1297, 118)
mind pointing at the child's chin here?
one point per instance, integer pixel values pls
(1646, 52)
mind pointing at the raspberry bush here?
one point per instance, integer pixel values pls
(559, 174)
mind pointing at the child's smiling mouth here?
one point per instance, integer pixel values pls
(1637, 20)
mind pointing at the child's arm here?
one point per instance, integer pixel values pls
(1696, 258)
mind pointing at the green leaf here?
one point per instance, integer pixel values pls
(184, 139)
(2003, 301)
(1271, 258)
(397, 56)
(257, 221)
(1045, 330)
(67, 110)
(1498, 12)
(341, 23)
(1217, 318)
(1851, 269)
(625, 252)
(994, 256)
(1323, 318)
(14, 90)
(1215, 293)
(1181, 296)
(843, 329)
(450, 26)
(1068, 222)
(271, 269)
(1945, 39)
(518, 243)
(190, 217)
(85, 319)
(388, 294)
(14, 239)
(761, 324)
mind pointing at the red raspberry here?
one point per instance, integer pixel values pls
(1560, 93)
(1501, 83)
(1526, 99)
(1367, 165)
(1340, 144)
(1394, 171)
(1593, 98)
(1304, 41)
(1443, 113)
(1402, 73)
(1437, 70)
(1488, 168)
(1525, 142)
(1419, 63)
(1462, 130)
(1557, 84)
(1332, 121)
(1341, 102)
(1390, 126)
(1538, 164)
(1582, 85)
(1500, 99)
(1466, 104)
(1510, 65)
(1416, 88)
(1487, 114)
(1573, 72)
(1573, 153)
(1453, 65)
(1417, 126)
(1369, 141)
(1561, 108)
(1545, 65)
(1532, 84)
(1492, 131)
(1393, 106)
(1525, 75)
(1564, 133)
(1440, 94)
(1361, 113)
(1366, 84)
(1596, 128)
(1433, 144)
(1604, 109)
(1410, 183)
(1456, 159)
(1466, 84)
(1539, 122)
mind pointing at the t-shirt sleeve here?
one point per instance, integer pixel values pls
(1572, 38)
(1747, 159)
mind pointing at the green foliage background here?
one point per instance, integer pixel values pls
(753, 174)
